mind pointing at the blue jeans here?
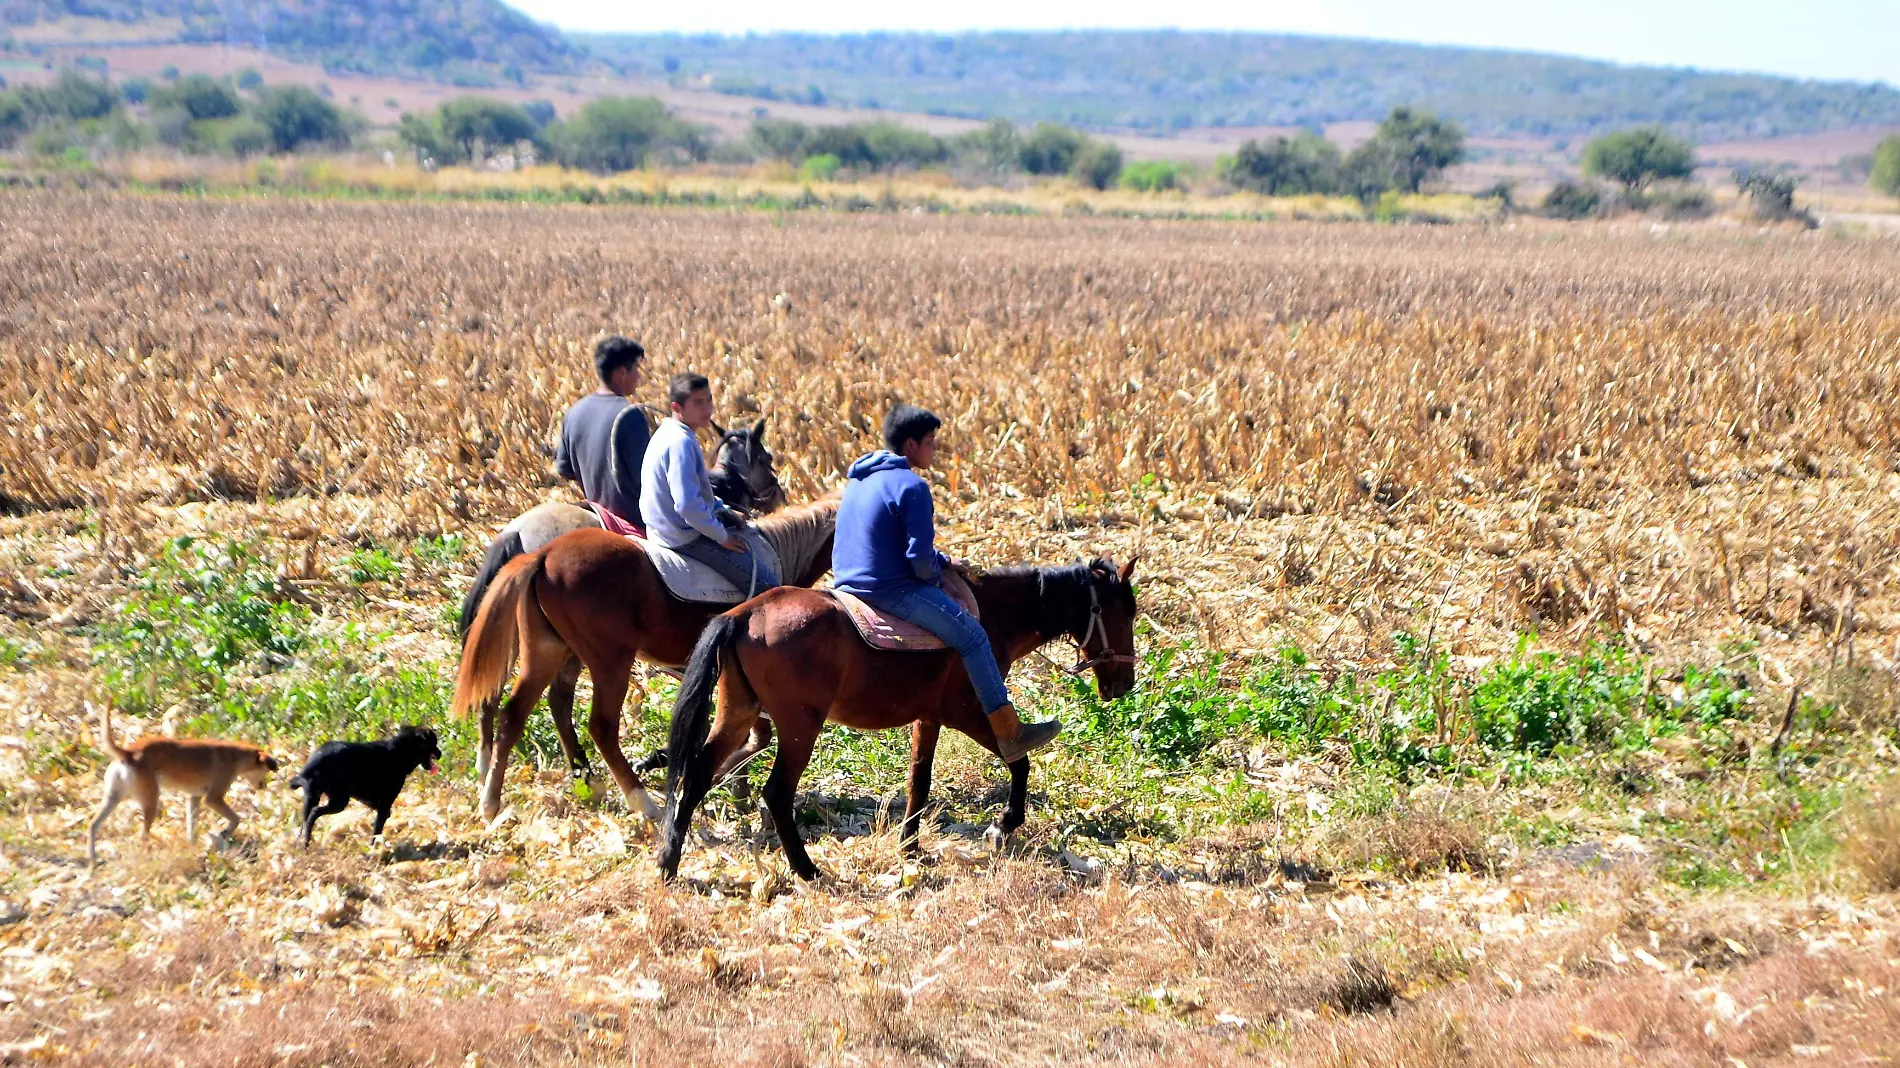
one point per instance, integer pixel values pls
(737, 568)
(932, 609)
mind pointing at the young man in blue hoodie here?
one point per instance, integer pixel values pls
(676, 494)
(886, 554)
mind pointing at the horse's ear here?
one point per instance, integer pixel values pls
(1128, 569)
(758, 431)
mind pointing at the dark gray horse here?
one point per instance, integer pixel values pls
(742, 475)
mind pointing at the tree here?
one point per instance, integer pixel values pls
(1885, 174)
(471, 121)
(296, 116)
(14, 118)
(1307, 163)
(1572, 200)
(249, 80)
(246, 137)
(199, 96)
(1410, 148)
(424, 137)
(72, 95)
(993, 147)
(541, 111)
(1051, 148)
(1098, 164)
(618, 133)
(891, 145)
(780, 138)
(1638, 157)
(135, 90)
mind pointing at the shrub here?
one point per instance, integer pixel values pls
(1098, 164)
(249, 80)
(1573, 200)
(1411, 147)
(71, 95)
(481, 124)
(619, 133)
(296, 116)
(1638, 157)
(1307, 163)
(1151, 176)
(995, 148)
(1772, 196)
(1676, 200)
(199, 96)
(1050, 148)
(1884, 174)
(820, 168)
(135, 90)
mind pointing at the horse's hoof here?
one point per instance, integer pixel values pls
(995, 838)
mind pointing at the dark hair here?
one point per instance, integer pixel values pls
(907, 422)
(613, 353)
(683, 386)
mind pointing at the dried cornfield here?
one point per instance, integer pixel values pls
(1313, 433)
(1663, 432)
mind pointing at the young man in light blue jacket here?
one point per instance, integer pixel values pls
(886, 554)
(676, 494)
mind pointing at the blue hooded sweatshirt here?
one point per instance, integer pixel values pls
(886, 540)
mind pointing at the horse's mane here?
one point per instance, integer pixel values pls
(797, 533)
(1062, 592)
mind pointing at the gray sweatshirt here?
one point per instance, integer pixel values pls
(677, 501)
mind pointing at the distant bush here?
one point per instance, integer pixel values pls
(296, 116)
(1573, 200)
(483, 125)
(1638, 157)
(1152, 176)
(1098, 164)
(820, 168)
(1050, 148)
(249, 80)
(1772, 196)
(994, 148)
(135, 90)
(1278, 166)
(620, 133)
(1884, 174)
(199, 96)
(1676, 200)
(1411, 147)
(71, 95)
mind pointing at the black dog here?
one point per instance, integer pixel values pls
(370, 772)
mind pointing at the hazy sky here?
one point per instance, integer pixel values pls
(1853, 39)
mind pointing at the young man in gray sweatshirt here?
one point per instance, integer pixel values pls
(676, 494)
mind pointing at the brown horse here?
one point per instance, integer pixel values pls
(744, 478)
(795, 656)
(594, 595)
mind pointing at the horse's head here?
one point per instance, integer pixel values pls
(749, 474)
(1108, 636)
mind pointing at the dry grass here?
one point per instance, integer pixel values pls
(1872, 838)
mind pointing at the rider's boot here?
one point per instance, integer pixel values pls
(1016, 739)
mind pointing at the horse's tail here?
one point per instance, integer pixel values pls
(506, 546)
(488, 652)
(692, 709)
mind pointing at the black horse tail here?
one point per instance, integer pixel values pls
(692, 709)
(503, 549)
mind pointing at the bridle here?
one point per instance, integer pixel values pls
(1097, 626)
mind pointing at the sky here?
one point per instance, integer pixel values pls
(1855, 40)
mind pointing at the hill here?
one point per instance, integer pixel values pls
(470, 41)
(1155, 80)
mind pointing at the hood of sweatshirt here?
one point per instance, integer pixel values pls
(881, 460)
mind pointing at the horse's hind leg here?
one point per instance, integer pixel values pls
(485, 744)
(603, 725)
(923, 756)
(734, 767)
(794, 753)
(539, 667)
(738, 714)
(561, 706)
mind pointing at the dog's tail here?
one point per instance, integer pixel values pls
(506, 546)
(488, 653)
(105, 734)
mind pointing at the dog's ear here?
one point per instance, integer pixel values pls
(269, 762)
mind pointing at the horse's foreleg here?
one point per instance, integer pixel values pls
(603, 725)
(794, 753)
(561, 706)
(485, 743)
(1015, 813)
(923, 756)
(541, 665)
(734, 767)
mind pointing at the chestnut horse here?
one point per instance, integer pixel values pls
(743, 477)
(594, 595)
(794, 655)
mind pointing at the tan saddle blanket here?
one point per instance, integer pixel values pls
(880, 631)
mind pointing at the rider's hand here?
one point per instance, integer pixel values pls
(732, 544)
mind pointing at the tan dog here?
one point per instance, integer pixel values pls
(200, 769)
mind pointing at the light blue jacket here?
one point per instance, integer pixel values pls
(676, 493)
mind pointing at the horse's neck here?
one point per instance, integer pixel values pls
(1015, 614)
(800, 542)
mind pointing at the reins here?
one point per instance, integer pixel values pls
(1097, 626)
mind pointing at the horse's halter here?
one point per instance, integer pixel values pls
(763, 490)
(1097, 626)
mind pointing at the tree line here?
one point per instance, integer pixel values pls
(241, 116)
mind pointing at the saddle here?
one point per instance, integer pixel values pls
(881, 631)
(690, 580)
